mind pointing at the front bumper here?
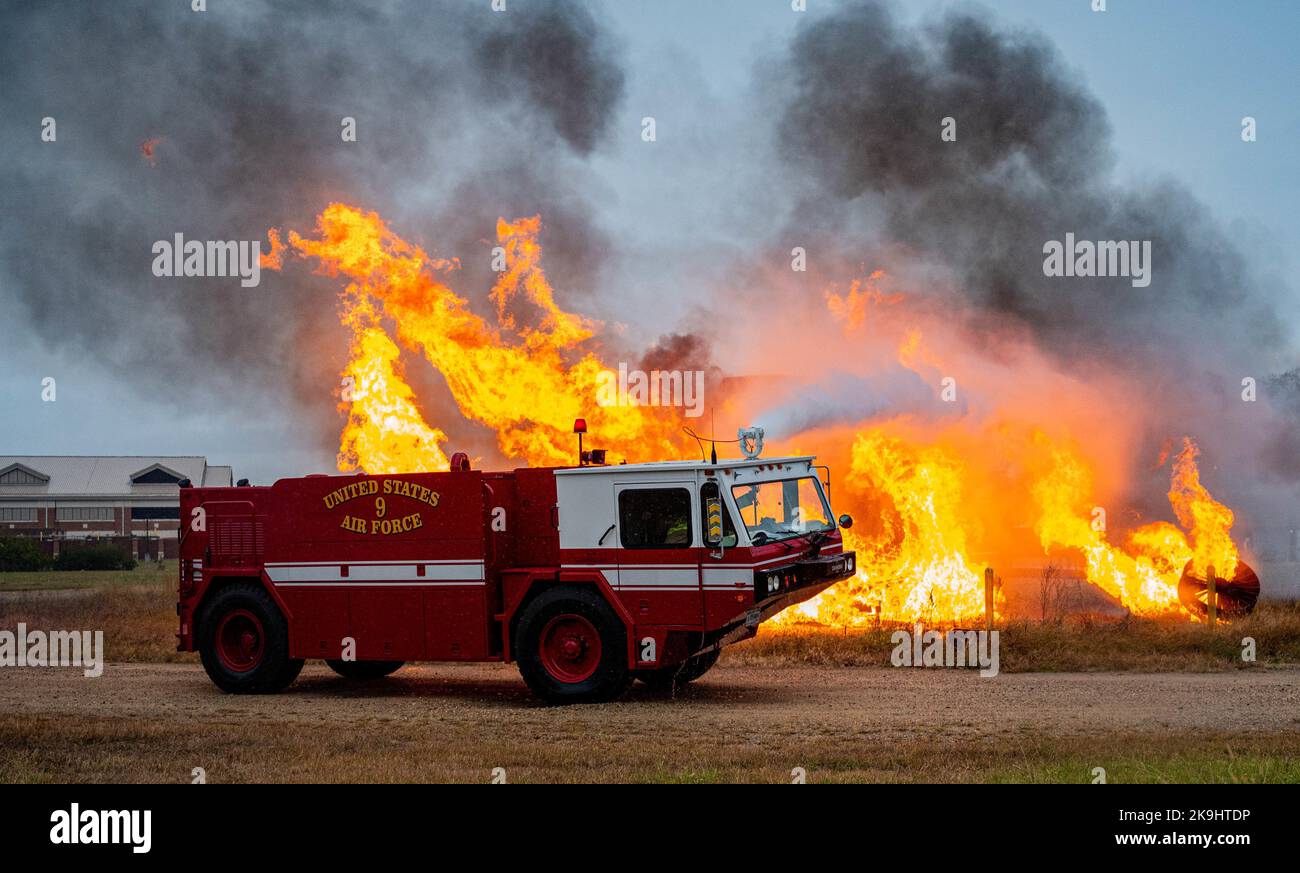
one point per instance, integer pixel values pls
(778, 588)
(797, 577)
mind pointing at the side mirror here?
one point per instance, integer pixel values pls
(846, 521)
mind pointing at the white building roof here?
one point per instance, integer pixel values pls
(108, 475)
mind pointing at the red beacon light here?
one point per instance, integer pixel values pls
(580, 427)
(594, 456)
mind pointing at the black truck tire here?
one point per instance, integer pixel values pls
(364, 669)
(243, 641)
(666, 678)
(572, 647)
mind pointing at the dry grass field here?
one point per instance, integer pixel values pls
(1083, 644)
(136, 611)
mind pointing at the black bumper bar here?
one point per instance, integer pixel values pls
(771, 583)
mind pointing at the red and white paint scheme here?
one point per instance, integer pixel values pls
(588, 577)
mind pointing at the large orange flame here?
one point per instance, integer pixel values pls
(914, 565)
(533, 368)
(1208, 521)
(1068, 520)
(528, 382)
(1145, 579)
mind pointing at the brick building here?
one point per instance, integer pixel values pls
(64, 497)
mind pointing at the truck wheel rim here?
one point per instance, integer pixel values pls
(570, 648)
(240, 641)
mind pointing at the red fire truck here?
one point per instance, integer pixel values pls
(589, 576)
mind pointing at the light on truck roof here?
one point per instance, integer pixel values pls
(580, 427)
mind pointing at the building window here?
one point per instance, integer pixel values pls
(85, 513)
(19, 476)
(18, 513)
(155, 513)
(156, 476)
(655, 518)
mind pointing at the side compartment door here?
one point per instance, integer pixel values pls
(659, 552)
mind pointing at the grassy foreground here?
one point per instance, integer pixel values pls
(146, 573)
(118, 750)
(136, 611)
(1131, 644)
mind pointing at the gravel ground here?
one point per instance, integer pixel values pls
(794, 698)
(151, 722)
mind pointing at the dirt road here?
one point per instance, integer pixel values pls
(155, 722)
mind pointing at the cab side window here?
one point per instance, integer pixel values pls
(654, 518)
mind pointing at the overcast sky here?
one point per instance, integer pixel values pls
(1174, 77)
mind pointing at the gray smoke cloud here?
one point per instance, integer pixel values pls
(1032, 162)
(861, 117)
(463, 115)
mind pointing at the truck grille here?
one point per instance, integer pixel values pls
(237, 541)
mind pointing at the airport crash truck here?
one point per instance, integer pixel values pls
(588, 577)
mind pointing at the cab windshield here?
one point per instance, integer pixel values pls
(781, 509)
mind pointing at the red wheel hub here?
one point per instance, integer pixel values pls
(570, 648)
(240, 640)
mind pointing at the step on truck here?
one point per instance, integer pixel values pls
(588, 577)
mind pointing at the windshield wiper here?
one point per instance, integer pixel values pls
(820, 536)
(787, 537)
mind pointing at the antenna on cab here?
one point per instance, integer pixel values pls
(713, 443)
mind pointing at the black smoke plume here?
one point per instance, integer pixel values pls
(463, 115)
(859, 127)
